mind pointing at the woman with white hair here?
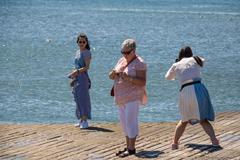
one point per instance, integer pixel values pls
(129, 77)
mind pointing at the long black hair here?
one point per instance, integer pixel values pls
(83, 35)
(186, 52)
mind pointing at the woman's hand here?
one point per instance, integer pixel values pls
(139, 79)
(124, 76)
(73, 74)
(113, 74)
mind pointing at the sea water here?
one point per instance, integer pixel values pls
(38, 44)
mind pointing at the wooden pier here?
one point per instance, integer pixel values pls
(102, 140)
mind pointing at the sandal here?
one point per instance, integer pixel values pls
(129, 152)
(174, 146)
(121, 151)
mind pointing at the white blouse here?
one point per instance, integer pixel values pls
(185, 70)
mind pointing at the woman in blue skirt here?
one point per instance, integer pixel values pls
(81, 82)
(194, 101)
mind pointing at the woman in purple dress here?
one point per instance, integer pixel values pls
(81, 82)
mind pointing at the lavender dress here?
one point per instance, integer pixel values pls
(81, 86)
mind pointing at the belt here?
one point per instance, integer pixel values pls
(188, 84)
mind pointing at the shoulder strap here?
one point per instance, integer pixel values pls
(198, 60)
(131, 60)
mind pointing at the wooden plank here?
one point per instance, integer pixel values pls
(103, 140)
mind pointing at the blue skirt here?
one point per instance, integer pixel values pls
(195, 103)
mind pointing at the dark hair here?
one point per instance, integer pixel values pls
(198, 60)
(83, 35)
(187, 52)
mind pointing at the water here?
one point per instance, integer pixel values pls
(37, 47)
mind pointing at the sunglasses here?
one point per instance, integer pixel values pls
(126, 53)
(81, 42)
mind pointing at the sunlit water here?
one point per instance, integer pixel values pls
(37, 47)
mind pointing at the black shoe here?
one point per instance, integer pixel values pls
(131, 152)
(128, 153)
(120, 152)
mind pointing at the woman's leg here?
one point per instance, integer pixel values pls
(131, 145)
(83, 103)
(122, 119)
(210, 131)
(132, 110)
(180, 128)
(127, 141)
(83, 118)
(129, 122)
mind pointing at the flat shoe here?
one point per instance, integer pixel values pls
(84, 125)
(128, 153)
(174, 146)
(77, 124)
(121, 151)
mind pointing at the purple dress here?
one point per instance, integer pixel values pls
(81, 86)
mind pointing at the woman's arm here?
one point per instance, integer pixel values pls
(76, 72)
(87, 62)
(171, 73)
(113, 74)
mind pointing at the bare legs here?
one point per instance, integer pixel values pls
(180, 128)
(130, 148)
(83, 118)
(130, 143)
(210, 131)
(127, 141)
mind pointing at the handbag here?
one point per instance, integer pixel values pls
(112, 90)
(72, 82)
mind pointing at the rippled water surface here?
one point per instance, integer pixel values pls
(37, 47)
